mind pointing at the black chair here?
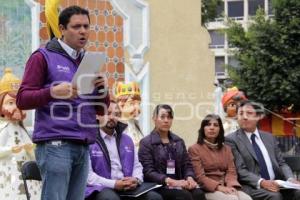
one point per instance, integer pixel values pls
(294, 162)
(30, 171)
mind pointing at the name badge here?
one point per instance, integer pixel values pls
(170, 166)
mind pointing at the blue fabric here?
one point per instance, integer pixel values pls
(64, 170)
(262, 164)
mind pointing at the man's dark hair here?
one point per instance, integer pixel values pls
(67, 13)
(163, 106)
(258, 107)
(201, 134)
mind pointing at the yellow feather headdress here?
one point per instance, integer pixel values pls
(51, 12)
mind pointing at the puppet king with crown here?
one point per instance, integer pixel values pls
(15, 144)
(128, 97)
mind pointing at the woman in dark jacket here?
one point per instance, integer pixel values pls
(165, 159)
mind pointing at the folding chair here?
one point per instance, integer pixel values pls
(294, 163)
(30, 171)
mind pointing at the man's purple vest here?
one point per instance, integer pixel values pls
(64, 119)
(100, 160)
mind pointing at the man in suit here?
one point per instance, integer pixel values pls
(114, 163)
(257, 157)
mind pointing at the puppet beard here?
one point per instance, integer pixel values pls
(15, 115)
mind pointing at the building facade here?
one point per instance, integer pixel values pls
(241, 11)
(159, 44)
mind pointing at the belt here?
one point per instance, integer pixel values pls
(64, 141)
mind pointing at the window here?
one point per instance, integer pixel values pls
(217, 39)
(270, 9)
(236, 9)
(16, 40)
(15, 35)
(219, 66)
(254, 5)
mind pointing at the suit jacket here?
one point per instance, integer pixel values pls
(246, 161)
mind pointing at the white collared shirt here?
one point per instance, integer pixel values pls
(115, 163)
(70, 51)
(264, 151)
(116, 167)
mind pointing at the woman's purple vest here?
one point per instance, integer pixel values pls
(100, 160)
(73, 119)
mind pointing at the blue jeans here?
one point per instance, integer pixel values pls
(64, 169)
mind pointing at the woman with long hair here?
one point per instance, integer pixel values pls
(213, 162)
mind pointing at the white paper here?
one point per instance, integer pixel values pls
(87, 72)
(288, 184)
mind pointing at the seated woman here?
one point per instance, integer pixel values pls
(165, 159)
(213, 162)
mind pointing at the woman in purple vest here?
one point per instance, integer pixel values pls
(165, 159)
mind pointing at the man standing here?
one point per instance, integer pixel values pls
(65, 123)
(257, 157)
(114, 161)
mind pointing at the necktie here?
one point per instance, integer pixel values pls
(262, 164)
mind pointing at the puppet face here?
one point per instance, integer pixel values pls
(10, 110)
(231, 101)
(130, 108)
(231, 108)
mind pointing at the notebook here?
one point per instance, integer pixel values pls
(287, 185)
(142, 189)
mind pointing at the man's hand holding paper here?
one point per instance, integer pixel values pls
(100, 82)
(64, 90)
(269, 185)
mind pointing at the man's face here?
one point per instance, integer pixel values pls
(76, 33)
(248, 118)
(110, 120)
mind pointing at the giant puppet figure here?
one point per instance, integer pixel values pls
(230, 101)
(51, 13)
(15, 144)
(128, 98)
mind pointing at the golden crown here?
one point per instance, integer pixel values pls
(9, 82)
(131, 88)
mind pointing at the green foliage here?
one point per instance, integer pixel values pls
(209, 10)
(269, 55)
(15, 35)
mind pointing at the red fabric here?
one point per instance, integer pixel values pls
(288, 126)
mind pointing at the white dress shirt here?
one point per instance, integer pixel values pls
(265, 153)
(70, 51)
(116, 167)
